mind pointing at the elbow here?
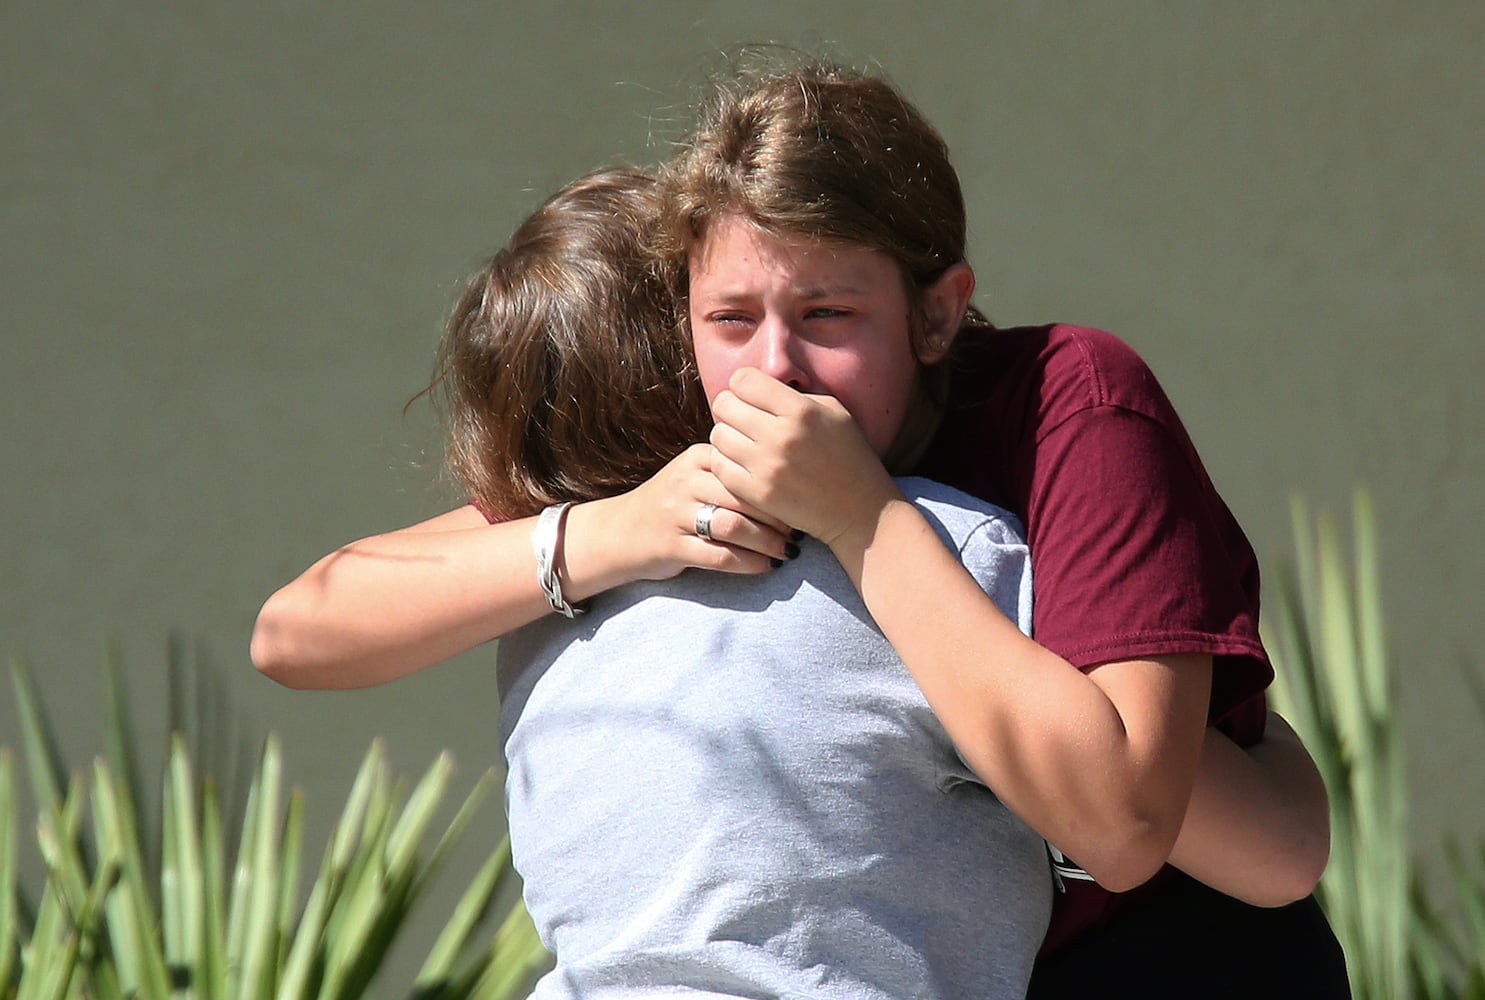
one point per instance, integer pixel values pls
(272, 648)
(1290, 881)
(298, 644)
(1299, 875)
(1129, 865)
(1296, 868)
(1312, 850)
(1131, 850)
(1315, 861)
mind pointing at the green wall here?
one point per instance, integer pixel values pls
(229, 233)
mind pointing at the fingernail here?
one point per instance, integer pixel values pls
(791, 551)
(775, 563)
(796, 535)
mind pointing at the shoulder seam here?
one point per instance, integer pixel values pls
(1103, 404)
(1099, 391)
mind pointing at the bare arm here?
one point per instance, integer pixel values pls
(392, 604)
(1100, 763)
(1110, 774)
(1258, 825)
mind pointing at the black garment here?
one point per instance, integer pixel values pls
(1191, 941)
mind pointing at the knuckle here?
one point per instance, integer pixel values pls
(725, 559)
(749, 563)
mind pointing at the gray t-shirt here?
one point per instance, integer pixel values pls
(731, 786)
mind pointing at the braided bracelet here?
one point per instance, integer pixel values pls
(544, 541)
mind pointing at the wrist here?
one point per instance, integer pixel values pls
(596, 555)
(875, 509)
(547, 546)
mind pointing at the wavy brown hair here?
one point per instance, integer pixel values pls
(563, 373)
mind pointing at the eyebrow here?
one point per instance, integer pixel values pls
(807, 292)
(826, 291)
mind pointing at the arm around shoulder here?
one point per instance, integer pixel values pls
(393, 604)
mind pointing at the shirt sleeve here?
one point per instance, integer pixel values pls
(1130, 540)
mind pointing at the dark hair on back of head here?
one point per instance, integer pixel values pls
(563, 373)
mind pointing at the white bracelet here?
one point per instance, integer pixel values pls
(544, 541)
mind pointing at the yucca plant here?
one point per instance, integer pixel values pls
(1326, 634)
(184, 915)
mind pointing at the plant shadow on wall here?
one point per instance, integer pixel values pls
(1325, 629)
(199, 897)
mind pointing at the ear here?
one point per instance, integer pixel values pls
(944, 305)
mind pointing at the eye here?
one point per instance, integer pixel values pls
(826, 312)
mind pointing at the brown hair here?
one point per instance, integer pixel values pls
(814, 149)
(820, 151)
(563, 373)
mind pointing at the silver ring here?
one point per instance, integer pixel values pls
(704, 520)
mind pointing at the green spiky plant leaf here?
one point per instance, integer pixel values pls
(177, 903)
(1326, 634)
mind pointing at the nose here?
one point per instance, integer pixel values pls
(780, 354)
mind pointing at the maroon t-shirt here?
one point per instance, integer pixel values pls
(1133, 553)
